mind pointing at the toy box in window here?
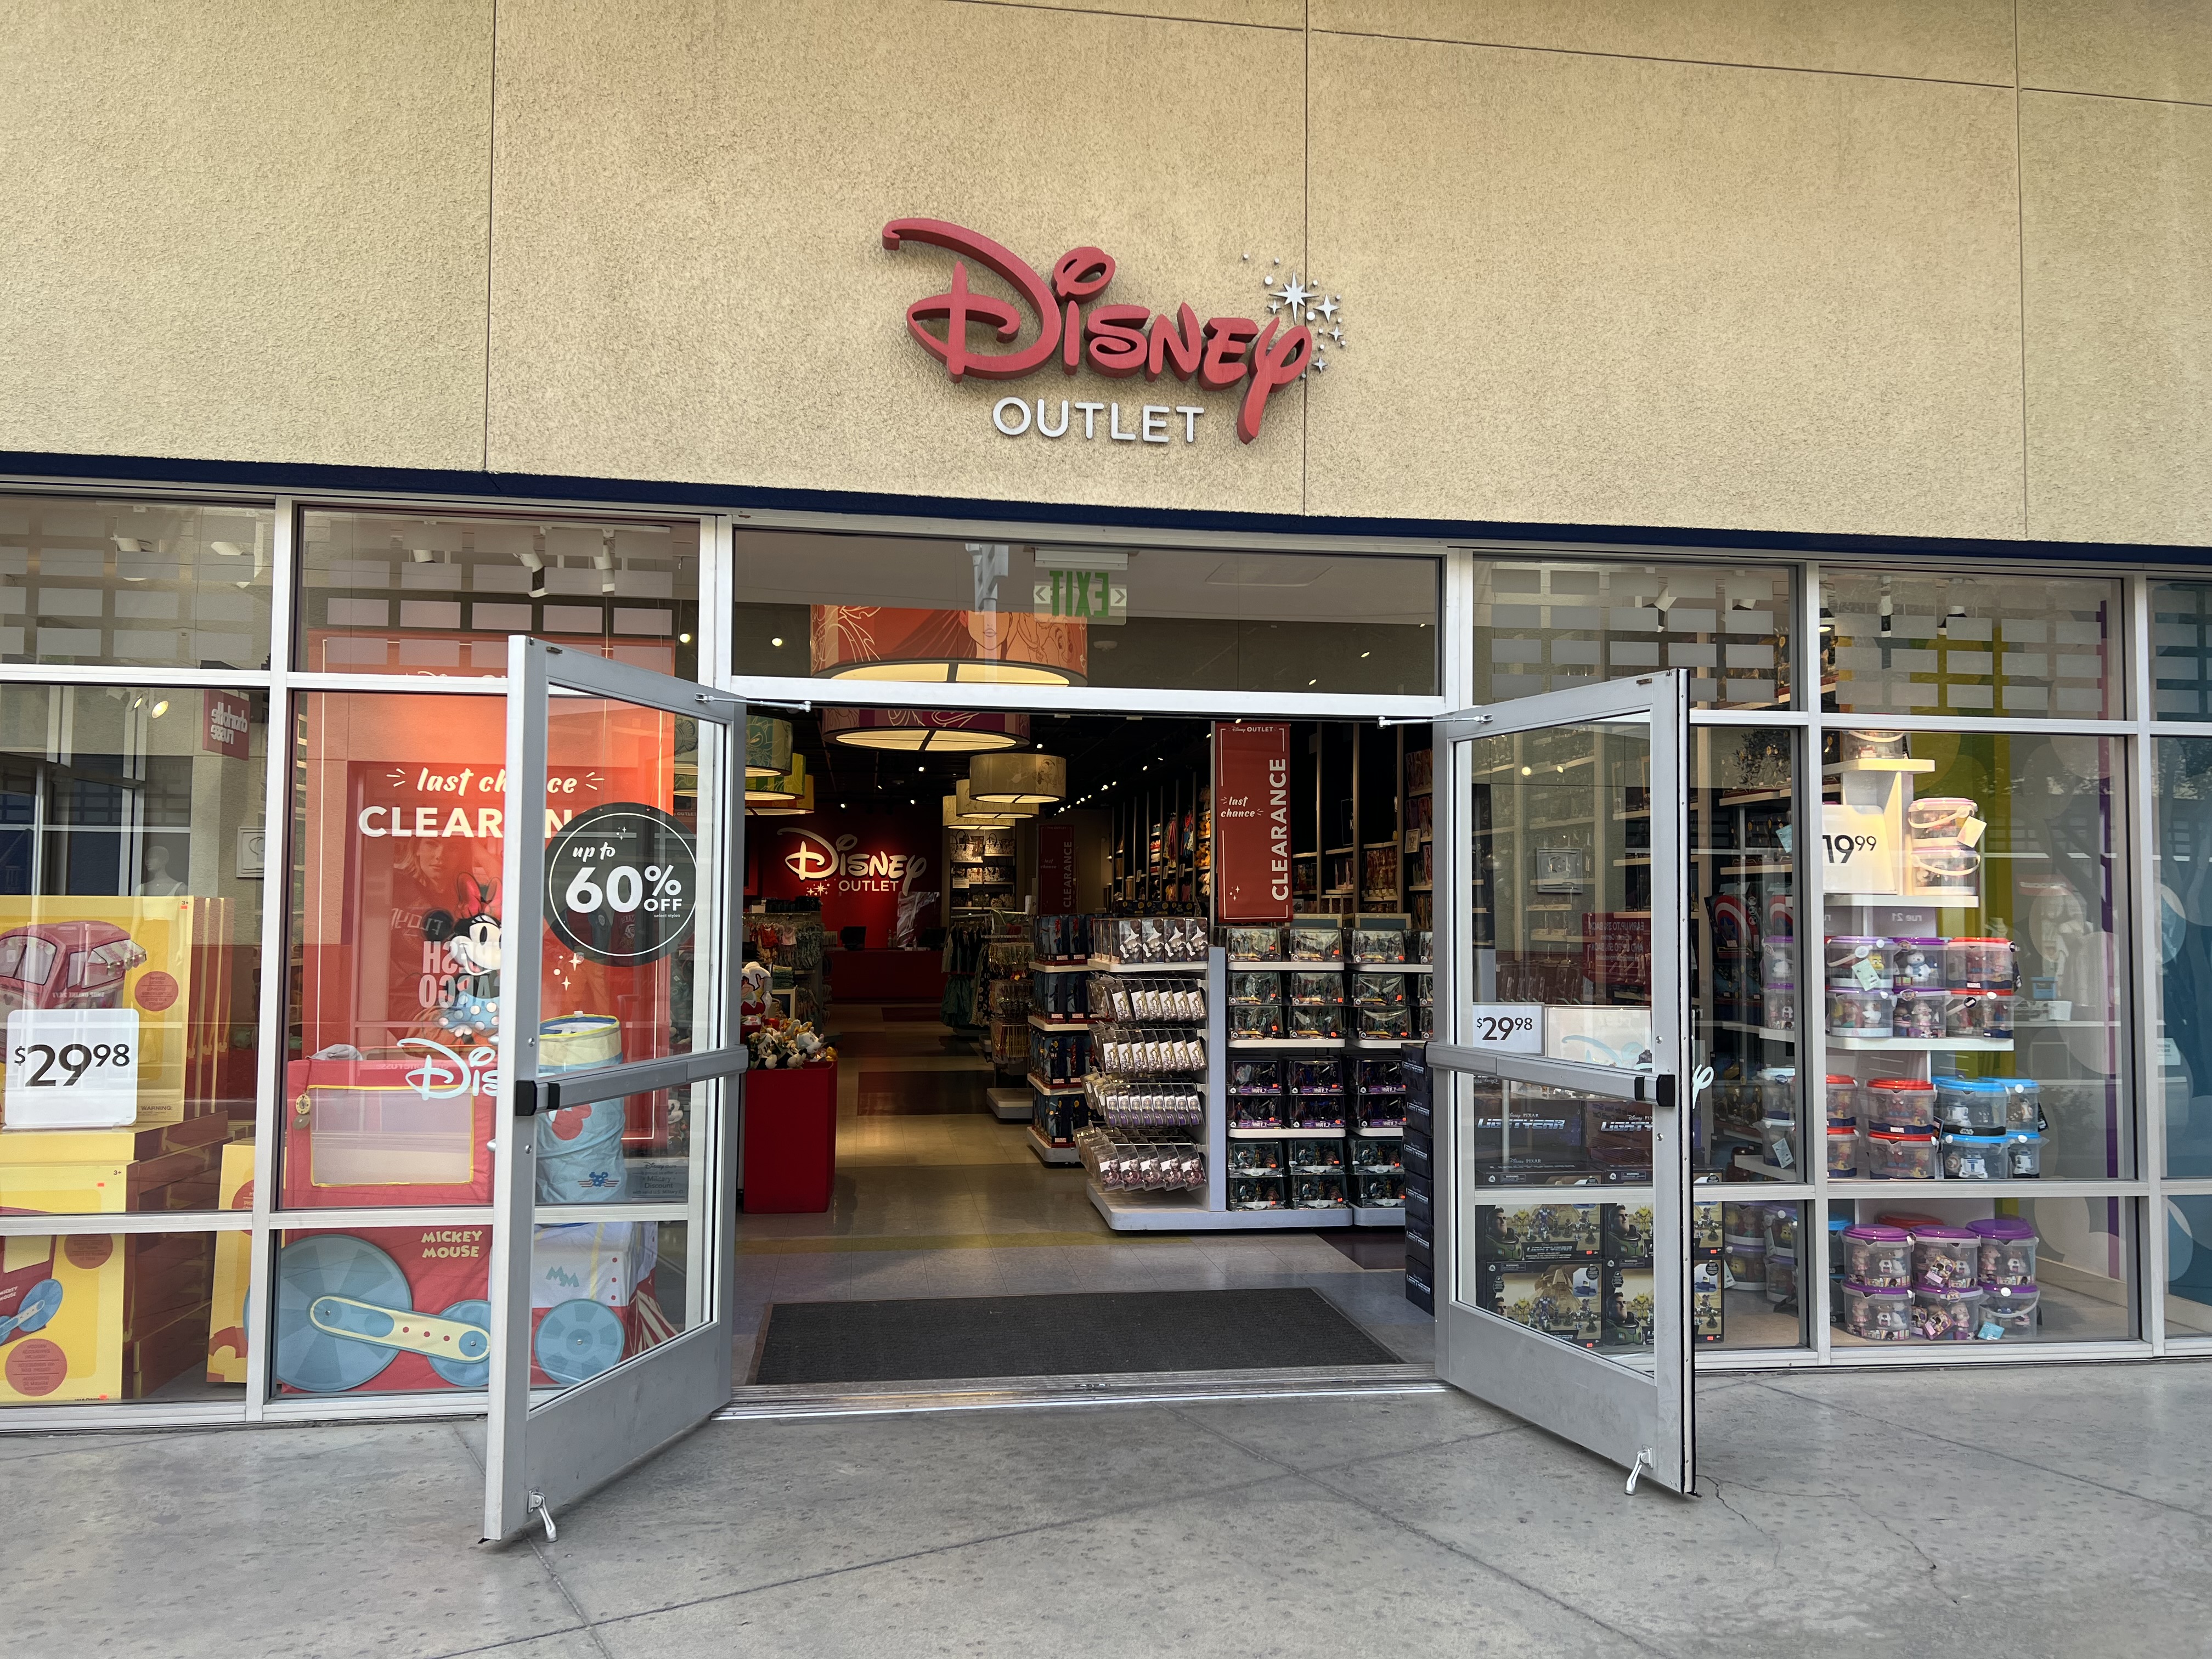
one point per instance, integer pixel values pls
(1563, 1300)
(151, 975)
(399, 1128)
(1540, 1232)
(1629, 1306)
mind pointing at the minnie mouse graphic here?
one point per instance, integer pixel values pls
(472, 941)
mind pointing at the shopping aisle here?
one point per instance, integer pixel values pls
(935, 1197)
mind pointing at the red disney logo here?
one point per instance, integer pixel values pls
(1120, 340)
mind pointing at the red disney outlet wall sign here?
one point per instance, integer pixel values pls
(1121, 341)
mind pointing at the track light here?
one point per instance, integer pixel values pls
(604, 562)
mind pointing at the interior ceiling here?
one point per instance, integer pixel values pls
(1100, 750)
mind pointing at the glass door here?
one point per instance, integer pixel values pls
(615, 1187)
(1562, 1144)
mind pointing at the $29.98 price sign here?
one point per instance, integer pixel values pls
(72, 1068)
(622, 885)
(1506, 1028)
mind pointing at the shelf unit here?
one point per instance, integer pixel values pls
(1740, 883)
(1210, 1211)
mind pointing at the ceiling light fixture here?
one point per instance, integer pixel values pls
(790, 786)
(768, 746)
(1010, 812)
(975, 818)
(937, 730)
(785, 809)
(1017, 778)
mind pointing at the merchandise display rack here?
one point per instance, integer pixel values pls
(1172, 1211)
(1168, 1212)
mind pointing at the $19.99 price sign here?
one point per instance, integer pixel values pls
(72, 1068)
(1506, 1028)
(622, 885)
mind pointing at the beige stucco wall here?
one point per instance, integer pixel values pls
(1870, 266)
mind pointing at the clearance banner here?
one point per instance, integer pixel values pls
(1251, 822)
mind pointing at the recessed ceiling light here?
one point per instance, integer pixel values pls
(777, 641)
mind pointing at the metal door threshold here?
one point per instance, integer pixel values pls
(1120, 1388)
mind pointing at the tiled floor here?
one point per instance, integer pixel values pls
(954, 1203)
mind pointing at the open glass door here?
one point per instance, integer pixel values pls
(615, 1190)
(1562, 1151)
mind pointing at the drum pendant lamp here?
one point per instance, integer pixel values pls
(1010, 812)
(1017, 778)
(939, 730)
(955, 819)
(785, 809)
(768, 746)
(777, 791)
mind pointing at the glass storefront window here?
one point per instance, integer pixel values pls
(164, 584)
(380, 1310)
(2181, 651)
(405, 594)
(94, 1318)
(917, 611)
(1980, 647)
(1543, 625)
(2188, 1224)
(1972, 958)
(397, 957)
(1743, 954)
(131, 893)
(1751, 1269)
(2007, 1270)
(2182, 868)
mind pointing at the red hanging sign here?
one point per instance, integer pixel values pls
(1251, 822)
(1056, 870)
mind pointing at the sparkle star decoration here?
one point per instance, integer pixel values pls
(1291, 297)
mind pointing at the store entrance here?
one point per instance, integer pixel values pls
(1077, 1124)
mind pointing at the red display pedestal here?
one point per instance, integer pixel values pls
(790, 1140)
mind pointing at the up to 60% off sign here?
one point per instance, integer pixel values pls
(621, 885)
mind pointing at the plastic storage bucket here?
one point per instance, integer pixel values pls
(1880, 1258)
(1874, 1313)
(1945, 1258)
(579, 1153)
(2007, 1250)
(2010, 1309)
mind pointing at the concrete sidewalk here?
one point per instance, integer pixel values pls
(2028, 1512)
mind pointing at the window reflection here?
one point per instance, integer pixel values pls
(405, 594)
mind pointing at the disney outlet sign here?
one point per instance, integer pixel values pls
(1062, 321)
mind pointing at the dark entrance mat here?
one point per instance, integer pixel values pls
(929, 1011)
(923, 1094)
(936, 1339)
(1383, 1249)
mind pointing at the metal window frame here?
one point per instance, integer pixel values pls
(1461, 554)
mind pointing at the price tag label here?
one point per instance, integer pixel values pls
(1858, 849)
(1506, 1028)
(72, 1068)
